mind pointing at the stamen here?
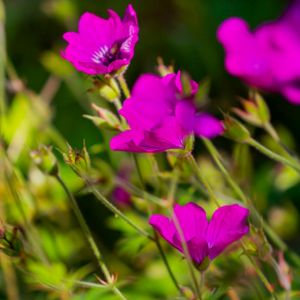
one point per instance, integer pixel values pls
(106, 55)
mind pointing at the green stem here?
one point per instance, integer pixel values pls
(139, 192)
(89, 237)
(116, 211)
(260, 274)
(274, 156)
(202, 178)
(217, 159)
(187, 256)
(31, 232)
(124, 86)
(173, 188)
(272, 132)
(164, 258)
(138, 169)
(2, 65)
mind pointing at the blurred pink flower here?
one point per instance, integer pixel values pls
(160, 116)
(268, 57)
(102, 46)
(121, 197)
(203, 239)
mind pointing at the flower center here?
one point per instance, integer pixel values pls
(106, 55)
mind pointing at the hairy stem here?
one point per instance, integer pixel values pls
(124, 86)
(166, 263)
(274, 156)
(89, 237)
(116, 211)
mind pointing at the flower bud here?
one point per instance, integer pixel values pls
(186, 85)
(162, 69)
(79, 160)
(45, 160)
(235, 130)
(105, 118)
(259, 245)
(284, 272)
(188, 293)
(256, 111)
(108, 89)
(203, 265)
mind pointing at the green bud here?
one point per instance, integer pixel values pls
(259, 245)
(120, 71)
(262, 108)
(201, 96)
(107, 88)
(249, 114)
(189, 143)
(256, 111)
(235, 130)
(203, 265)
(188, 293)
(105, 118)
(186, 84)
(162, 69)
(78, 160)
(11, 243)
(45, 160)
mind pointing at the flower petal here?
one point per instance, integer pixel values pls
(164, 227)
(127, 141)
(208, 126)
(148, 94)
(192, 220)
(228, 224)
(185, 113)
(198, 249)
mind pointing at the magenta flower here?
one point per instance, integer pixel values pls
(102, 46)
(160, 117)
(203, 239)
(121, 197)
(268, 57)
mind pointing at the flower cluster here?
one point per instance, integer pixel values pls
(268, 57)
(203, 239)
(160, 116)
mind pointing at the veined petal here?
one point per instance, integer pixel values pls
(228, 224)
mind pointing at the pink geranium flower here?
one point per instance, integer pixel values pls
(160, 117)
(268, 57)
(102, 46)
(204, 239)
